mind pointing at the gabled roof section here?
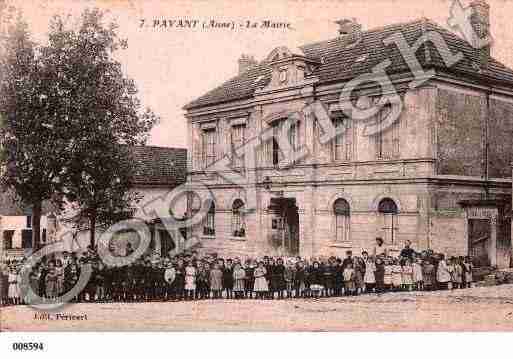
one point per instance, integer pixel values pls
(342, 61)
(10, 205)
(159, 165)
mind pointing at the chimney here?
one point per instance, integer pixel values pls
(349, 29)
(246, 62)
(480, 21)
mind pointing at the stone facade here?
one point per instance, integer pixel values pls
(451, 144)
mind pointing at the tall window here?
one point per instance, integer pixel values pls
(209, 228)
(193, 204)
(237, 140)
(343, 142)
(29, 222)
(387, 136)
(8, 235)
(342, 220)
(238, 225)
(275, 153)
(26, 238)
(388, 211)
(209, 147)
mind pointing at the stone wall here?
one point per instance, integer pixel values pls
(464, 132)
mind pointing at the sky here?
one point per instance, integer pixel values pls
(172, 66)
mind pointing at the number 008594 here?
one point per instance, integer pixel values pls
(27, 346)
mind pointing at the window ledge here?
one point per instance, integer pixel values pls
(239, 239)
(204, 236)
(341, 245)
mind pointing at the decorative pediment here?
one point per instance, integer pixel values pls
(289, 67)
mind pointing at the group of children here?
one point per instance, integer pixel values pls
(189, 277)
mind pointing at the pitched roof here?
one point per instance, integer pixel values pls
(339, 61)
(159, 165)
(12, 206)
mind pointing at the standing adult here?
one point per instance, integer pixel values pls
(380, 248)
(407, 251)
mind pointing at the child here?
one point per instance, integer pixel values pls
(407, 275)
(14, 289)
(300, 280)
(100, 281)
(51, 281)
(338, 278)
(428, 274)
(59, 269)
(216, 281)
(417, 275)
(249, 283)
(179, 281)
(467, 269)
(457, 274)
(328, 278)
(359, 272)
(228, 279)
(397, 275)
(261, 287)
(443, 274)
(387, 280)
(202, 281)
(169, 277)
(451, 268)
(279, 278)
(190, 281)
(238, 281)
(370, 273)
(289, 278)
(349, 279)
(316, 280)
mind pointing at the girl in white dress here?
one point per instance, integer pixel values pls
(397, 275)
(239, 276)
(370, 276)
(14, 289)
(387, 278)
(443, 274)
(418, 280)
(260, 287)
(407, 275)
(190, 281)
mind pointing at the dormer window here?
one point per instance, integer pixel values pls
(289, 67)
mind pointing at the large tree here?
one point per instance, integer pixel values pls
(105, 117)
(71, 117)
(33, 150)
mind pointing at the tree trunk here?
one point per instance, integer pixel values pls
(36, 226)
(92, 228)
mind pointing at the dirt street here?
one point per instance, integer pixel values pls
(486, 308)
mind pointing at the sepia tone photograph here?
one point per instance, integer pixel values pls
(258, 166)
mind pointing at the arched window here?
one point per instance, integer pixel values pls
(388, 211)
(238, 225)
(209, 229)
(342, 220)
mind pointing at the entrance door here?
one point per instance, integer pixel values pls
(285, 225)
(479, 233)
(292, 221)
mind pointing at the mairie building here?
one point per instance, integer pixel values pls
(439, 176)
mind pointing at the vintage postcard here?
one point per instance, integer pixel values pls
(290, 165)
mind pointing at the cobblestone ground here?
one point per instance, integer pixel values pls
(485, 308)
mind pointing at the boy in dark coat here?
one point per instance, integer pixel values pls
(228, 279)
